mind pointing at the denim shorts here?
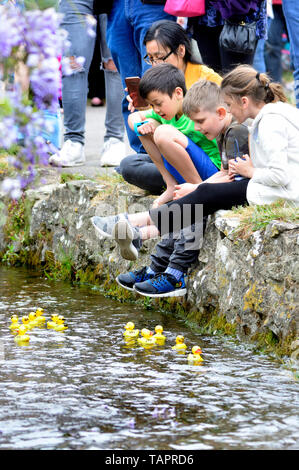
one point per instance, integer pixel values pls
(200, 159)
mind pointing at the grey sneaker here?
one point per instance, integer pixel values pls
(128, 239)
(104, 225)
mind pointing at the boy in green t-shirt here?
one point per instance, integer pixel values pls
(180, 153)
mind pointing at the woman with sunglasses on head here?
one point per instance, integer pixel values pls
(166, 42)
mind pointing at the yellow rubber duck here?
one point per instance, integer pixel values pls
(21, 337)
(32, 320)
(130, 332)
(180, 343)
(147, 340)
(60, 325)
(195, 356)
(53, 321)
(25, 321)
(14, 323)
(39, 316)
(159, 337)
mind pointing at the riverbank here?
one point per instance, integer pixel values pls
(245, 283)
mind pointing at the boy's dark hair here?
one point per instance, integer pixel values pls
(164, 78)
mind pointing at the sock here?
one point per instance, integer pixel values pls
(149, 270)
(175, 272)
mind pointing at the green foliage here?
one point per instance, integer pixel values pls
(253, 218)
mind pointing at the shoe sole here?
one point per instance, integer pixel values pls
(123, 235)
(101, 232)
(124, 286)
(65, 165)
(174, 293)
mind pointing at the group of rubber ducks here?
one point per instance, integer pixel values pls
(32, 320)
(148, 340)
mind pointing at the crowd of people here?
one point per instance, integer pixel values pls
(217, 130)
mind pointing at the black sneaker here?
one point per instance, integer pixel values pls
(127, 280)
(162, 285)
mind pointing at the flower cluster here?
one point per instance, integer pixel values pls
(33, 42)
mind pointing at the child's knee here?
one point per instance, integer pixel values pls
(163, 133)
(166, 134)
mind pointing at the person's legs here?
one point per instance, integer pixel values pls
(207, 39)
(127, 25)
(139, 170)
(75, 86)
(274, 44)
(290, 9)
(205, 200)
(231, 59)
(114, 92)
(185, 160)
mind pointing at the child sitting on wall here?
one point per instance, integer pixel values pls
(180, 153)
(176, 254)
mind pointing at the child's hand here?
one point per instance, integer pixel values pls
(241, 166)
(129, 99)
(182, 190)
(221, 176)
(147, 129)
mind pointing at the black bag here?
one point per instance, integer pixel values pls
(238, 37)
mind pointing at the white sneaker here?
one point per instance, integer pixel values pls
(71, 154)
(114, 150)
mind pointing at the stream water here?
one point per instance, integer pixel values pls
(86, 389)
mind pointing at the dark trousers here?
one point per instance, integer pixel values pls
(139, 169)
(205, 200)
(208, 44)
(179, 252)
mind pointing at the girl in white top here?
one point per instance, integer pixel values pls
(273, 165)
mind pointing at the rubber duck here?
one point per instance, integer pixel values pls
(147, 340)
(39, 315)
(159, 337)
(25, 321)
(129, 332)
(180, 345)
(195, 356)
(60, 325)
(14, 323)
(32, 320)
(21, 337)
(53, 321)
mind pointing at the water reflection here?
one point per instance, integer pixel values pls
(86, 388)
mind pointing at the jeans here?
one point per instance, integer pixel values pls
(274, 44)
(75, 86)
(290, 9)
(114, 121)
(259, 61)
(127, 25)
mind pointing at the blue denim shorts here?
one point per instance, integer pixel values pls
(200, 159)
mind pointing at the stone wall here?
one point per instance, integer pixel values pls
(252, 283)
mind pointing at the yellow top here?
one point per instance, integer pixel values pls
(195, 72)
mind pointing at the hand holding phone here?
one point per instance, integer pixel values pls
(133, 89)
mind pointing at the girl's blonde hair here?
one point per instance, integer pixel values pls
(244, 80)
